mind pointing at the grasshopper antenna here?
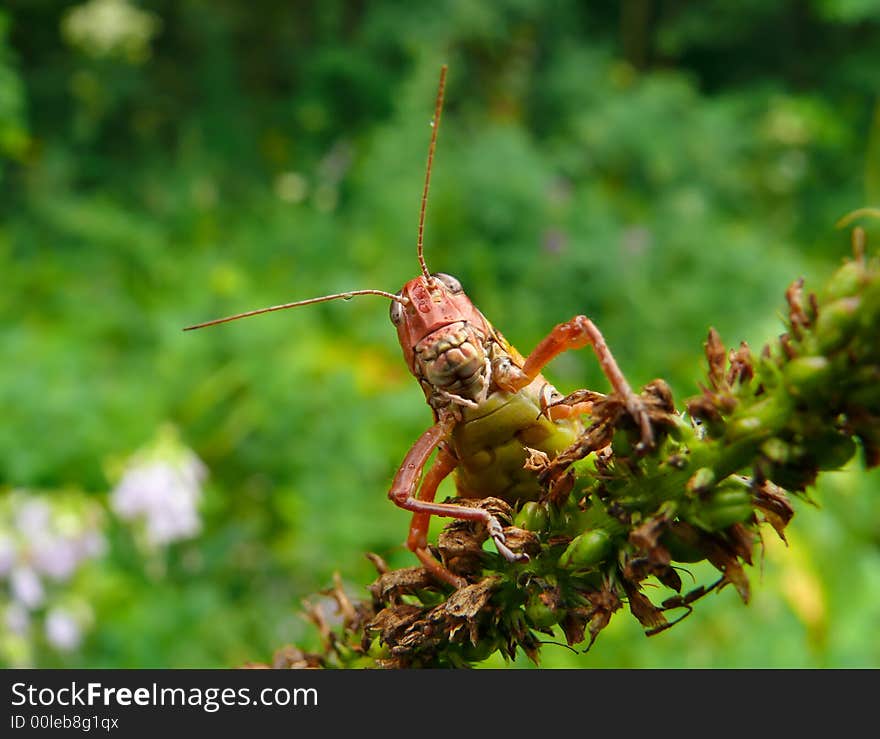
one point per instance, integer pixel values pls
(435, 125)
(298, 303)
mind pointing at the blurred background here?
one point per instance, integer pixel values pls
(168, 499)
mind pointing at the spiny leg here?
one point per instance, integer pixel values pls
(406, 482)
(417, 541)
(577, 333)
(578, 403)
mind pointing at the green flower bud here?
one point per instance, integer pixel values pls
(776, 450)
(586, 550)
(836, 323)
(762, 419)
(743, 427)
(832, 451)
(479, 651)
(846, 281)
(806, 376)
(540, 615)
(532, 516)
(729, 503)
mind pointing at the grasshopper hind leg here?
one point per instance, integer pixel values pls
(406, 483)
(417, 541)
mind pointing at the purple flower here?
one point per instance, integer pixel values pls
(48, 535)
(62, 630)
(46, 538)
(26, 586)
(33, 517)
(55, 557)
(164, 494)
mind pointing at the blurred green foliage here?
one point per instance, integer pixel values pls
(659, 166)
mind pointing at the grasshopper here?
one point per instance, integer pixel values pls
(491, 405)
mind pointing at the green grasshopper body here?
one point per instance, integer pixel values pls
(490, 444)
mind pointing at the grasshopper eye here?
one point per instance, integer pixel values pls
(396, 311)
(449, 281)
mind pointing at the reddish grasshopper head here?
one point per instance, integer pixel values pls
(432, 304)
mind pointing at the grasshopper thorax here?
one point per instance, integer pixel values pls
(445, 340)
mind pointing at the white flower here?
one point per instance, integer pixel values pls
(45, 537)
(50, 535)
(62, 630)
(33, 517)
(27, 588)
(55, 556)
(164, 495)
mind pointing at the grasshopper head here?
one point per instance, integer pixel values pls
(431, 304)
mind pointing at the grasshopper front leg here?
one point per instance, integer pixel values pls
(405, 484)
(577, 333)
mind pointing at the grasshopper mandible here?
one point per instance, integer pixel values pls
(490, 404)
